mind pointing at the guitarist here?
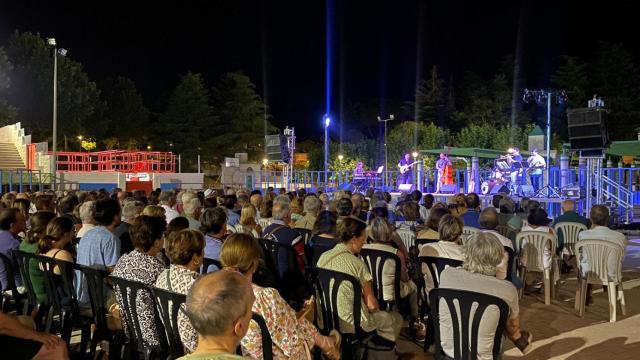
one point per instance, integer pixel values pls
(406, 174)
(536, 166)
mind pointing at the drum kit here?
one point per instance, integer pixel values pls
(501, 174)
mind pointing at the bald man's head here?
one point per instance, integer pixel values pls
(218, 302)
(568, 205)
(488, 219)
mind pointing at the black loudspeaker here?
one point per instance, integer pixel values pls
(499, 189)
(449, 189)
(406, 187)
(587, 128)
(526, 190)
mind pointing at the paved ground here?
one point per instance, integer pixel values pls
(560, 334)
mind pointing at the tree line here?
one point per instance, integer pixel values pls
(485, 112)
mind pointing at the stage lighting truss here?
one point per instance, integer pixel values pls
(540, 96)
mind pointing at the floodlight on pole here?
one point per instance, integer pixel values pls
(54, 160)
(327, 122)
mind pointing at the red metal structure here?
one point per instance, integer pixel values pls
(117, 161)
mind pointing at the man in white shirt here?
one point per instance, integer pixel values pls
(536, 165)
(600, 231)
(168, 202)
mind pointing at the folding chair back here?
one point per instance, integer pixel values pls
(169, 304)
(466, 309)
(570, 232)
(378, 261)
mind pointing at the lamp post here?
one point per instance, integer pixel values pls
(386, 164)
(54, 160)
(327, 122)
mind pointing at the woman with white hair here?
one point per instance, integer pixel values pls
(482, 254)
(86, 212)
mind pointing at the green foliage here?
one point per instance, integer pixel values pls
(78, 97)
(241, 117)
(487, 136)
(124, 111)
(7, 112)
(408, 136)
(188, 119)
(429, 99)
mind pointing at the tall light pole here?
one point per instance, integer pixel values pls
(386, 164)
(327, 122)
(54, 160)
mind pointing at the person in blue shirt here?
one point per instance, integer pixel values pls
(471, 216)
(214, 226)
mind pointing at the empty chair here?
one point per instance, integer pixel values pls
(601, 263)
(536, 251)
(462, 310)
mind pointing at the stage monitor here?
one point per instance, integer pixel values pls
(587, 128)
(406, 187)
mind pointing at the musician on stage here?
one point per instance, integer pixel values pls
(516, 172)
(536, 165)
(405, 174)
(358, 171)
(445, 171)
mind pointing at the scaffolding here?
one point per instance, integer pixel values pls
(117, 161)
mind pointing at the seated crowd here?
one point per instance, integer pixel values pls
(213, 247)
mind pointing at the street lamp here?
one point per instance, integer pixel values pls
(386, 164)
(327, 122)
(415, 155)
(63, 52)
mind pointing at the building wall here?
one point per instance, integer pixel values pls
(75, 180)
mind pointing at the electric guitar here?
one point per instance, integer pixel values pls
(405, 168)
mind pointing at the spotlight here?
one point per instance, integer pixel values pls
(340, 157)
(327, 121)
(51, 41)
(414, 154)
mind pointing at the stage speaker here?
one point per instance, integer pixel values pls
(499, 189)
(587, 128)
(449, 189)
(526, 190)
(406, 187)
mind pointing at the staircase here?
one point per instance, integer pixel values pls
(10, 157)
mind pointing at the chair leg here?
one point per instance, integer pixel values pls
(613, 303)
(576, 303)
(547, 287)
(583, 297)
(523, 276)
(623, 306)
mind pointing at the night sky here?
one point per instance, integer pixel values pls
(281, 44)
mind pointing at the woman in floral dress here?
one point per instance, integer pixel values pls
(293, 336)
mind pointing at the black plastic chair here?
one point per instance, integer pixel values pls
(129, 294)
(61, 294)
(267, 342)
(169, 304)
(328, 283)
(465, 328)
(95, 280)
(305, 233)
(16, 298)
(275, 251)
(375, 260)
(436, 265)
(512, 258)
(206, 262)
(290, 281)
(24, 259)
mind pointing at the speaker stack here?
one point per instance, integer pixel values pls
(587, 130)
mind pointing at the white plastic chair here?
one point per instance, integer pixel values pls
(467, 232)
(598, 254)
(264, 222)
(530, 247)
(570, 231)
(408, 238)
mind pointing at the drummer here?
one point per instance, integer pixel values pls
(514, 157)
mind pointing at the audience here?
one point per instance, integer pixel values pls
(219, 308)
(482, 253)
(185, 249)
(323, 236)
(488, 223)
(86, 212)
(192, 211)
(431, 232)
(600, 231)
(248, 223)
(229, 202)
(344, 258)
(168, 201)
(141, 265)
(568, 215)
(292, 334)
(471, 216)
(130, 211)
(30, 244)
(214, 228)
(12, 223)
(449, 246)
(279, 231)
(20, 342)
(156, 211)
(312, 207)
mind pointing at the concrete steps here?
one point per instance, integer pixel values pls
(9, 157)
